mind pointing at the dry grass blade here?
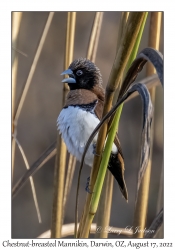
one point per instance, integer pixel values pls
(59, 175)
(160, 202)
(104, 208)
(68, 58)
(69, 178)
(46, 155)
(33, 67)
(146, 132)
(31, 179)
(150, 54)
(150, 82)
(60, 163)
(95, 33)
(154, 36)
(61, 147)
(20, 52)
(29, 79)
(122, 25)
(156, 58)
(16, 16)
(16, 20)
(155, 225)
(71, 19)
(147, 54)
(140, 213)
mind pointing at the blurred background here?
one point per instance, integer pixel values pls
(37, 123)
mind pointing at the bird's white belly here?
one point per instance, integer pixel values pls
(75, 126)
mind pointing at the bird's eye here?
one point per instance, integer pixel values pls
(79, 72)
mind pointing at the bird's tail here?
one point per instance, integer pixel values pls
(116, 167)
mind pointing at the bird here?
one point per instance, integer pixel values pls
(82, 112)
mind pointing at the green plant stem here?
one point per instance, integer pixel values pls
(111, 136)
(127, 43)
(103, 166)
(101, 175)
(104, 208)
(117, 72)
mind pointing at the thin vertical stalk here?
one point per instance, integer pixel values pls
(91, 55)
(122, 25)
(58, 189)
(70, 34)
(143, 193)
(33, 67)
(95, 33)
(127, 42)
(135, 21)
(133, 55)
(16, 115)
(69, 178)
(16, 20)
(104, 208)
(141, 205)
(159, 234)
(60, 163)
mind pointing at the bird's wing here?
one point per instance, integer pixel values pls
(117, 143)
(98, 110)
(116, 167)
(116, 162)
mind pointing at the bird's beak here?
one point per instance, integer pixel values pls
(70, 79)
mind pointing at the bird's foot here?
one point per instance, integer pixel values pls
(94, 150)
(87, 186)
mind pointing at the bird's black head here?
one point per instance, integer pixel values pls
(83, 74)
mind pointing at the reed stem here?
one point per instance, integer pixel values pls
(91, 55)
(104, 209)
(60, 163)
(16, 21)
(95, 33)
(143, 193)
(127, 43)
